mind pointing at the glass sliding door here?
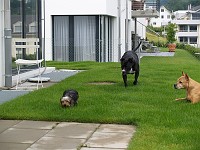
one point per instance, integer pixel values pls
(106, 39)
(25, 23)
(83, 38)
(74, 38)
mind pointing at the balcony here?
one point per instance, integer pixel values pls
(187, 34)
(149, 13)
(139, 12)
(137, 5)
(186, 22)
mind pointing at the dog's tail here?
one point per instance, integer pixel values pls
(135, 49)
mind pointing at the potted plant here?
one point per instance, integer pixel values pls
(171, 32)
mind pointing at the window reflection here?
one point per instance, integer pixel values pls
(25, 18)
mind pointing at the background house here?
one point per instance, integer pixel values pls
(188, 24)
(152, 4)
(30, 30)
(164, 18)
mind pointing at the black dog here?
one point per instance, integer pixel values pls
(130, 65)
(69, 98)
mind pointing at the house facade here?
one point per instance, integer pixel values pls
(152, 4)
(100, 30)
(86, 30)
(164, 18)
(69, 30)
(188, 25)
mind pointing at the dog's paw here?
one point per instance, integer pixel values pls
(178, 99)
(135, 83)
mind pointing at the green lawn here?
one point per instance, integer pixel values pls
(162, 123)
(154, 38)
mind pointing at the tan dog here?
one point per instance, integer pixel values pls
(192, 88)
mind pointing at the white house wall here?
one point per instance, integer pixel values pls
(141, 27)
(86, 7)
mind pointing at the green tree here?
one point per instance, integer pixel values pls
(180, 4)
(171, 32)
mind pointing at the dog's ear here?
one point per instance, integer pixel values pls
(183, 74)
(122, 59)
(186, 77)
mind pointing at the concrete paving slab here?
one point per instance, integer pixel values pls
(42, 135)
(13, 146)
(87, 148)
(31, 73)
(56, 143)
(69, 130)
(58, 75)
(26, 136)
(107, 128)
(163, 54)
(108, 140)
(27, 86)
(42, 125)
(111, 137)
(5, 124)
(6, 95)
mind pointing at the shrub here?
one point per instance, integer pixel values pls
(171, 32)
(191, 49)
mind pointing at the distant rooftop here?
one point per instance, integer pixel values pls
(196, 8)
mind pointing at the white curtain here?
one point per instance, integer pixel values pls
(84, 38)
(61, 38)
(84, 44)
